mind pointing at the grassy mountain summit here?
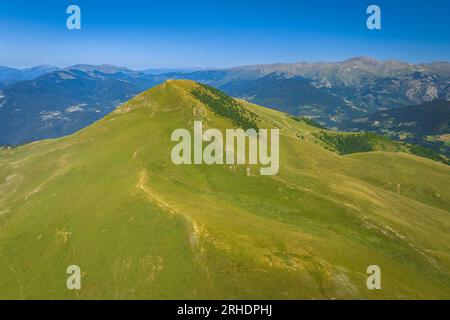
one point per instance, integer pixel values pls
(109, 199)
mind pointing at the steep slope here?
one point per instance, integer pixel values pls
(109, 199)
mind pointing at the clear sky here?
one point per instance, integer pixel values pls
(220, 33)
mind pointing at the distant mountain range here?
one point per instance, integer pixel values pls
(10, 75)
(332, 93)
(62, 102)
(295, 95)
(103, 68)
(367, 85)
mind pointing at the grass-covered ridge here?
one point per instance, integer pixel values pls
(110, 200)
(348, 143)
(308, 121)
(429, 153)
(225, 106)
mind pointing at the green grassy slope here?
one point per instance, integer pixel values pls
(109, 199)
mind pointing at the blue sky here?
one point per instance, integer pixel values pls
(220, 33)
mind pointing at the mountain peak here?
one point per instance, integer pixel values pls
(183, 86)
(162, 96)
(184, 83)
(191, 98)
(362, 61)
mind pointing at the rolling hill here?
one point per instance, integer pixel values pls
(109, 199)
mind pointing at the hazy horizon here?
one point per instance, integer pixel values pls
(181, 68)
(201, 34)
